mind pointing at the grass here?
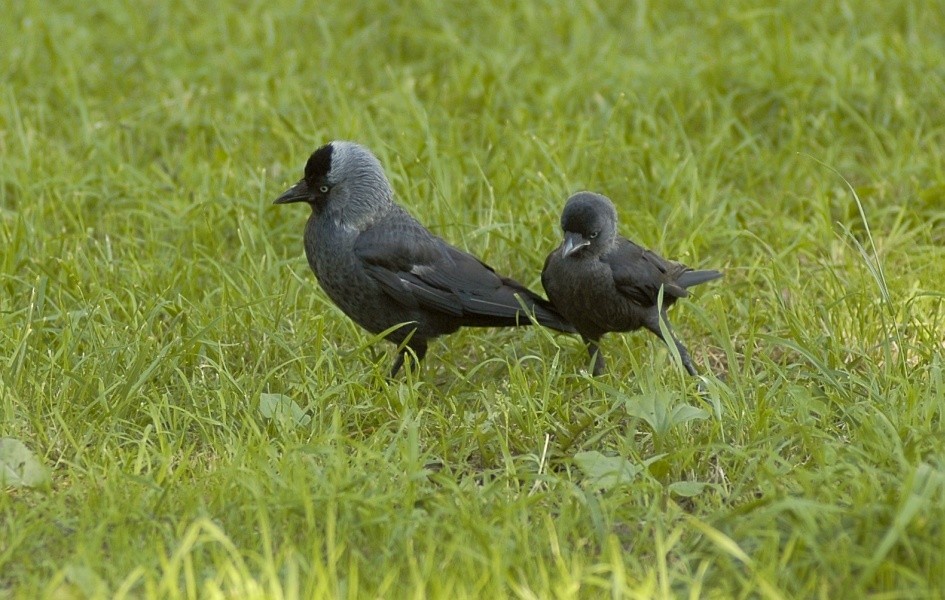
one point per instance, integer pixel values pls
(213, 427)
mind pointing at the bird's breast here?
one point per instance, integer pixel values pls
(585, 293)
(341, 274)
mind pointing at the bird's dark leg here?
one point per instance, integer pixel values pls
(593, 348)
(683, 353)
(419, 349)
(398, 362)
(686, 359)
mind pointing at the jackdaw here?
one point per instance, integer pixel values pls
(602, 282)
(382, 268)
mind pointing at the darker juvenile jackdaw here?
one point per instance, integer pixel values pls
(602, 282)
(383, 269)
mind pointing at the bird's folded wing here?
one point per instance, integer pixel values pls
(639, 273)
(420, 270)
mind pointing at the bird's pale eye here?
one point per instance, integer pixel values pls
(323, 189)
(593, 235)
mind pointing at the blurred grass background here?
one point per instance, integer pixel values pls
(155, 306)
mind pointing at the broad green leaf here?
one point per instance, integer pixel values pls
(18, 466)
(658, 412)
(685, 413)
(606, 471)
(651, 408)
(281, 407)
(686, 489)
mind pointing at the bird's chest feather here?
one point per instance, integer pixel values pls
(584, 290)
(329, 248)
(583, 282)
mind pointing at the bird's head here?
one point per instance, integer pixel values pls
(343, 180)
(589, 222)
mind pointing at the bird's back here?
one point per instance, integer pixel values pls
(396, 271)
(459, 288)
(640, 273)
(618, 290)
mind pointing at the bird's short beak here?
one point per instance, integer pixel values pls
(297, 193)
(572, 243)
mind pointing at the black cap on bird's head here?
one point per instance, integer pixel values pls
(319, 163)
(344, 181)
(589, 221)
(314, 186)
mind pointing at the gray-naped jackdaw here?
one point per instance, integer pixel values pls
(382, 268)
(602, 282)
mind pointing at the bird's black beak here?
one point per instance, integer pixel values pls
(299, 192)
(572, 243)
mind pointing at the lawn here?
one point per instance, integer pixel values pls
(184, 413)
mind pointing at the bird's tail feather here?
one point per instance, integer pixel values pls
(546, 314)
(512, 306)
(691, 278)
